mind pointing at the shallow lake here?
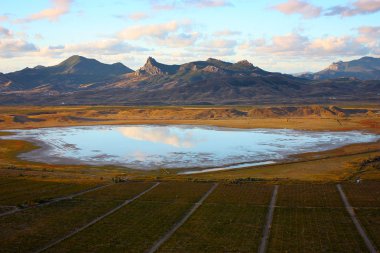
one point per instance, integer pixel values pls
(177, 146)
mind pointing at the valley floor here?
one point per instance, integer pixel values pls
(341, 164)
(56, 208)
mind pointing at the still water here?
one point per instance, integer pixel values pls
(154, 146)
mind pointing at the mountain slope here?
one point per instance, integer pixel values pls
(365, 68)
(68, 75)
(201, 82)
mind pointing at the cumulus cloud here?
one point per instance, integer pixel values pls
(179, 39)
(170, 5)
(106, 47)
(4, 32)
(282, 44)
(169, 34)
(15, 47)
(226, 32)
(109, 47)
(359, 7)
(57, 9)
(296, 45)
(303, 8)
(153, 30)
(308, 10)
(340, 46)
(138, 16)
(215, 48)
(370, 35)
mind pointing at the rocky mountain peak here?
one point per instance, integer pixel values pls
(336, 66)
(152, 67)
(245, 63)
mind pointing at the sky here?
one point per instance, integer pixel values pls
(288, 36)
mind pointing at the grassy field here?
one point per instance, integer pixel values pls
(305, 195)
(307, 218)
(366, 194)
(230, 220)
(17, 192)
(31, 229)
(370, 218)
(314, 230)
(138, 225)
(365, 198)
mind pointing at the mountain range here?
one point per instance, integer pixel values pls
(79, 80)
(365, 68)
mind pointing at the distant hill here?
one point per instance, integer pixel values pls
(79, 80)
(70, 74)
(365, 68)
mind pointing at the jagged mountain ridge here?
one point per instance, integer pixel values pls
(213, 81)
(365, 68)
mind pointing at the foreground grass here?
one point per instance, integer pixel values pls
(370, 219)
(15, 191)
(31, 229)
(230, 220)
(365, 194)
(314, 230)
(308, 218)
(308, 195)
(138, 225)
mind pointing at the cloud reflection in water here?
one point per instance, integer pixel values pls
(162, 135)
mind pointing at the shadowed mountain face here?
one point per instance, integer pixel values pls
(84, 81)
(366, 68)
(68, 75)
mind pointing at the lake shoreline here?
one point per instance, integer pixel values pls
(39, 155)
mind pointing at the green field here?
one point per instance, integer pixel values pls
(31, 229)
(137, 226)
(314, 230)
(365, 198)
(365, 194)
(230, 220)
(309, 195)
(307, 217)
(15, 192)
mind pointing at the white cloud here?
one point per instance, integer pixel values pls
(10, 48)
(170, 5)
(138, 16)
(296, 45)
(154, 30)
(4, 32)
(107, 47)
(359, 7)
(215, 48)
(303, 8)
(226, 32)
(58, 8)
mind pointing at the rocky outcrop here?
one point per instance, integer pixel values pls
(152, 67)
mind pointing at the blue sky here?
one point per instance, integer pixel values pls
(281, 35)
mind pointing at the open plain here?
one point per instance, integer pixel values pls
(101, 207)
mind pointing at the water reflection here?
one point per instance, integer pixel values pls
(152, 147)
(159, 135)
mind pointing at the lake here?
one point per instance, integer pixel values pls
(148, 147)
